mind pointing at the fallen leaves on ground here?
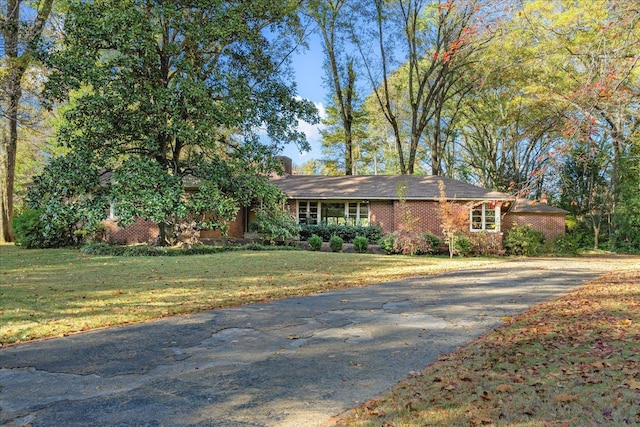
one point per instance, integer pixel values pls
(570, 362)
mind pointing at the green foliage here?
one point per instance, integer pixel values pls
(523, 240)
(275, 224)
(387, 243)
(347, 232)
(28, 229)
(361, 244)
(627, 216)
(462, 246)
(175, 77)
(142, 188)
(105, 249)
(315, 242)
(434, 242)
(72, 202)
(211, 208)
(410, 243)
(169, 98)
(569, 244)
(335, 243)
(485, 243)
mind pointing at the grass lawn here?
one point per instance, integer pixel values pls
(570, 362)
(47, 293)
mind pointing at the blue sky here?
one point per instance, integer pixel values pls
(308, 71)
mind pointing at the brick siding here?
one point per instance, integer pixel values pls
(141, 231)
(552, 226)
(382, 213)
(423, 216)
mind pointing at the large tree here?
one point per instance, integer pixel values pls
(20, 28)
(161, 91)
(437, 41)
(334, 19)
(584, 55)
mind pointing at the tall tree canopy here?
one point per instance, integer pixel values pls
(20, 29)
(178, 89)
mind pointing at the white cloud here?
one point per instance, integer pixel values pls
(313, 131)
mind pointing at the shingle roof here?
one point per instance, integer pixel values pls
(380, 187)
(530, 206)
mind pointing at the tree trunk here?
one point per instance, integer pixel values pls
(16, 66)
(14, 93)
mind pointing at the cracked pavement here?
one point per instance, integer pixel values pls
(294, 362)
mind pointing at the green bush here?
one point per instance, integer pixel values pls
(523, 240)
(315, 242)
(360, 244)
(569, 244)
(347, 232)
(144, 250)
(462, 245)
(387, 243)
(410, 243)
(485, 243)
(28, 229)
(434, 242)
(335, 243)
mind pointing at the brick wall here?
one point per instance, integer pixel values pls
(141, 231)
(552, 226)
(423, 216)
(236, 228)
(381, 213)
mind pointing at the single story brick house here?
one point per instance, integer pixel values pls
(384, 200)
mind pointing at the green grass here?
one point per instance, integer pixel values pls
(570, 362)
(47, 293)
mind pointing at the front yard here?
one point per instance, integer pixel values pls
(48, 293)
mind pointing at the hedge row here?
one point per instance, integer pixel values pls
(144, 250)
(346, 232)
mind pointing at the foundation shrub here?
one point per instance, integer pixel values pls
(485, 243)
(315, 242)
(410, 243)
(523, 240)
(347, 232)
(462, 246)
(360, 244)
(335, 243)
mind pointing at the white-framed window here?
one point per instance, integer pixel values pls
(307, 212)
(485, 217)
(334, 212)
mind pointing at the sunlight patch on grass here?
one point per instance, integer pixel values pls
(48, 293)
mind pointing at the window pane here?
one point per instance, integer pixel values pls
(490, 218)
(476, 218)
(364, 215)
(352, 216)
(302, 212)
(307, 212)
(333, 213)
(313, 213)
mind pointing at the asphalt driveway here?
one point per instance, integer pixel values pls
(295, 362)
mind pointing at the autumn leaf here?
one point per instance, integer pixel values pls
(504, 388)
(565, 398)
(633, 383)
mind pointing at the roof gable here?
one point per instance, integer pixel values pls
(380, 187)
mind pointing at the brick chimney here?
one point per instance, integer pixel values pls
(287, 164)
